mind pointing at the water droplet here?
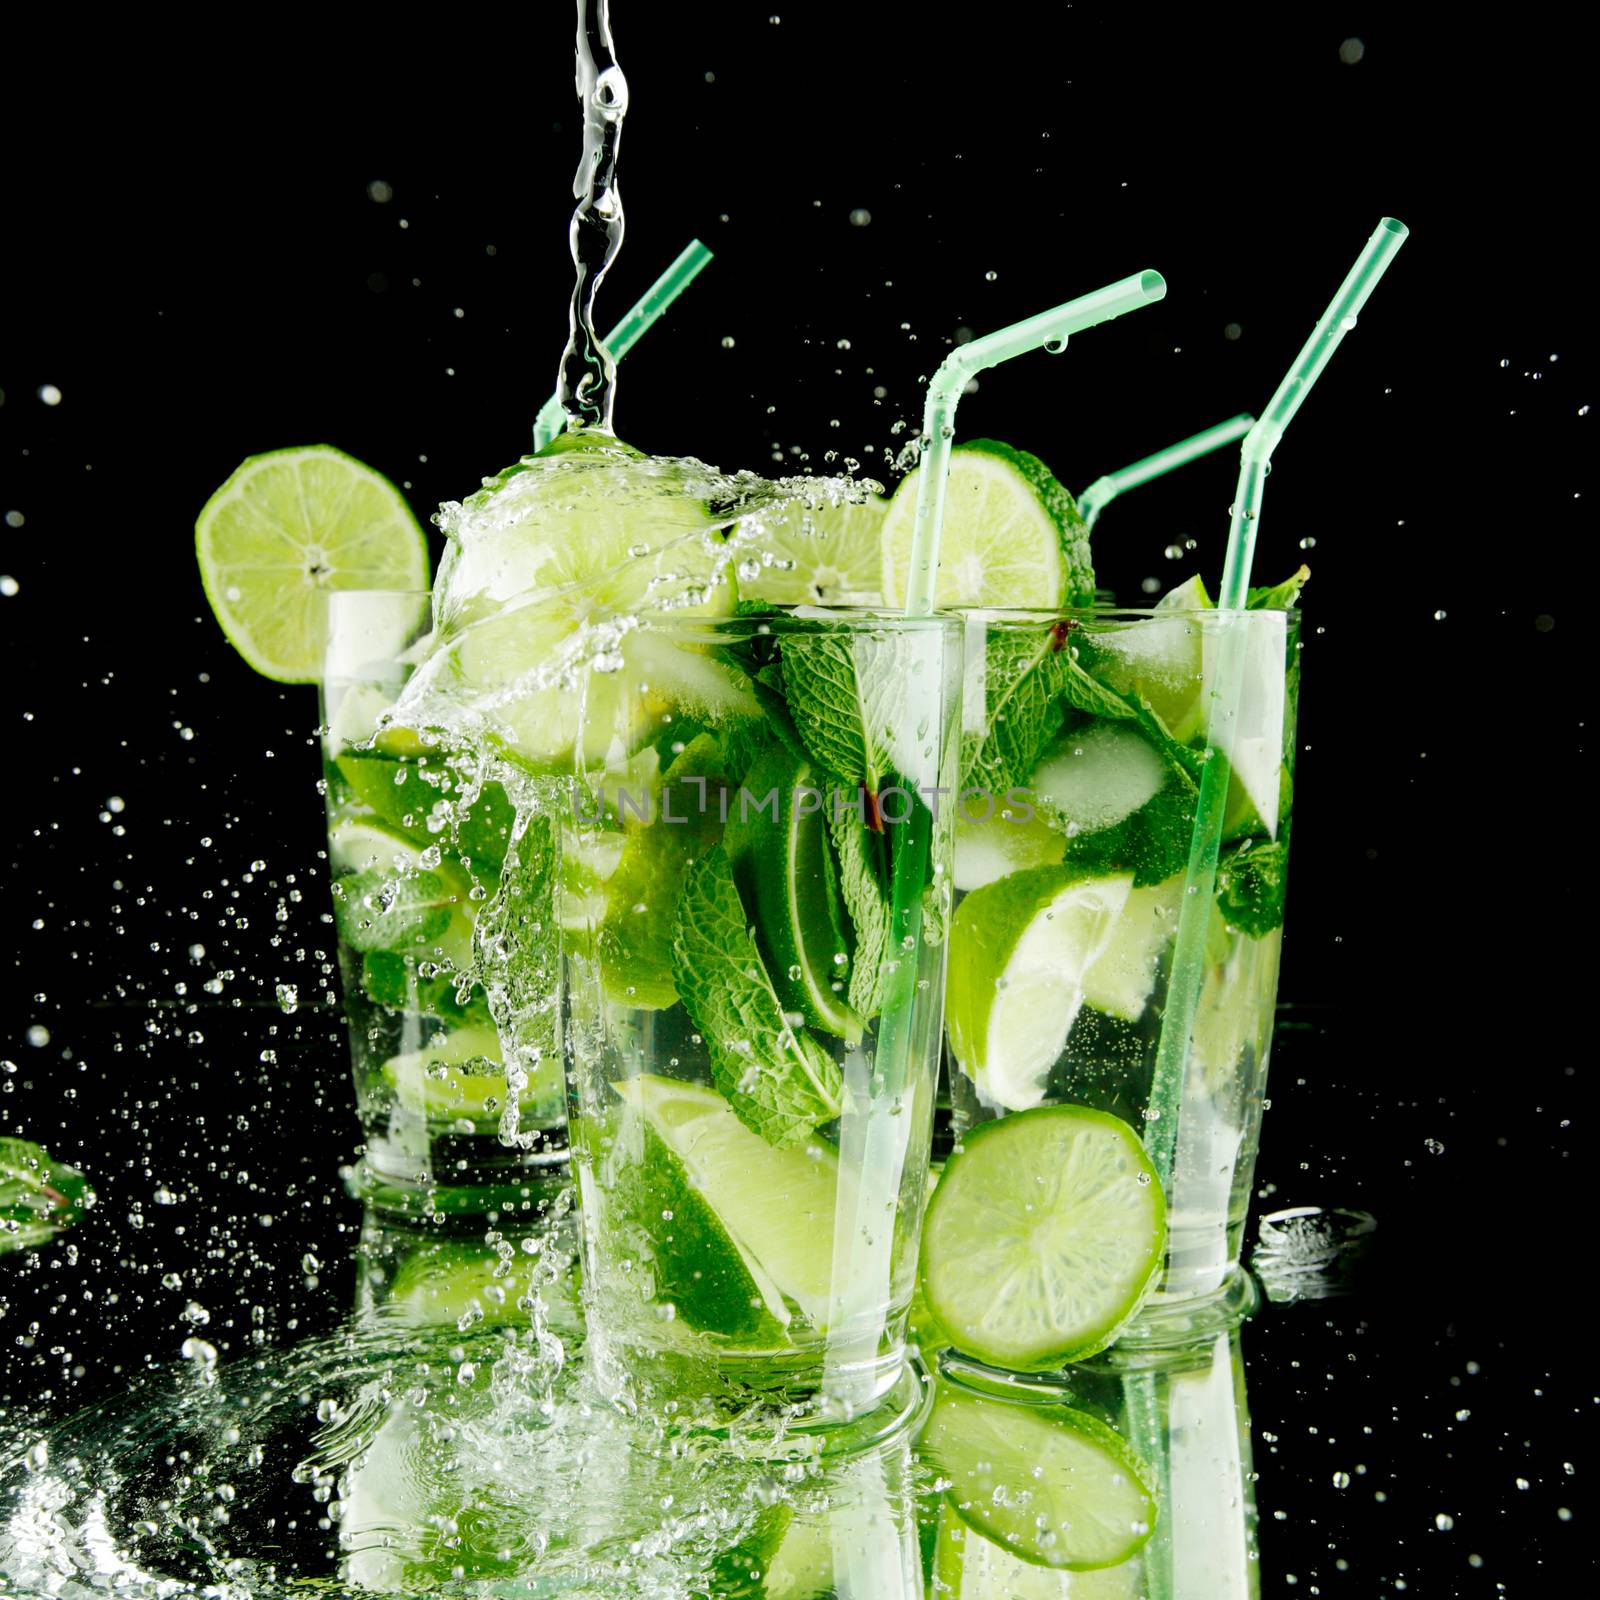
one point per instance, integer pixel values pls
(860, 217)
(989, 277)
(50, 394)
(727, 341)
(38, 1036)
(8, 585)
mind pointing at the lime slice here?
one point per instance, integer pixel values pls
(1020, 949)
(777, 1204)
(1012, 535)
(831, 556)
(283, 530)
(784, 869)
(1041, 1498)
(1043, 1237)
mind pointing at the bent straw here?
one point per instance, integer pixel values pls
(1255, 457)
(958, 369)
(622, 338)
(877, 1122)
(1104, 490)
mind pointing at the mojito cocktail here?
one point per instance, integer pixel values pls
(1052, 1227)
(418, 838)
(755, 902)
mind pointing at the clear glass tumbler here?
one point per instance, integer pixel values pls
(755, 878)
(457, 1116)
(1086, 740)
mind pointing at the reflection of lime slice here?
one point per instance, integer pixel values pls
(777, 1204)
(444, 1279)
(286, 528)
(1043, 1237)
(1019, 950)
(831, 556)
(1051, 1486)
(785, 874)
(967, 1566)
(1012, 535)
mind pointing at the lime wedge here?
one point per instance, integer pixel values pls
(1012, 535)
(782, 865)
(287, 527)
(1039, 1496)
(1020, 949)
(1121, 981)
(1043, 1237)
(831, 556)
(1007, 840)
(778, 1205)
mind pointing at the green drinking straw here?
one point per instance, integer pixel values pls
(873, 1141)
(1255, 457)
(622, 338)
(957, 371)
(1104, 490)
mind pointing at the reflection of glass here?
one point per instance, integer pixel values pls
(751, 968)
(416, 845)
(1065, 1473)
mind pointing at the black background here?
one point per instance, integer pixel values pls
(193, 257)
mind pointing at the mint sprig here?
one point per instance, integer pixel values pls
(1251, 883)
(39, 1197)
(1024, 680)
(846, 693)
(780, 1082)
(864, 888)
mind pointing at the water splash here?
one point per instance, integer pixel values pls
(587, 380)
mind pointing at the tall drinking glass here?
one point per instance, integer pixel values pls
(417, 843)
(755, 876)
(1085, 741)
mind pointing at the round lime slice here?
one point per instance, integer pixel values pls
(287, 527)
(1012, 534)
(1020, 949)
(1043, 1237)
(830, 556)
(1033, 1488)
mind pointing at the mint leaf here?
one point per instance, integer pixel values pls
(1024, 679)
(1086, 693)
(1282, 596)
(769, 690)
(380, 910)
(1152, 843)
(39, 1197)
(1251, 882)
(780, 1082)
(846, 692)
(864, 889)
